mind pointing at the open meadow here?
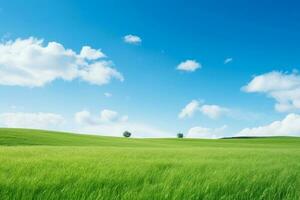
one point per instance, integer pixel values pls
(50, 165)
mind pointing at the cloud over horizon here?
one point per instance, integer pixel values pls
(207, 133)
(289, 126)
(111, 123)
(31, 120)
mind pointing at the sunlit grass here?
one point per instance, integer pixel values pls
(45, 165)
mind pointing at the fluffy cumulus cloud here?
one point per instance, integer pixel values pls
(283, 87)
(31, 120)
(189, 66)
(31, 63)
(132, 39)
(211, 111)
(111, 123)
(228, 60)
(290, 125)
(91, 54)
(203, 132)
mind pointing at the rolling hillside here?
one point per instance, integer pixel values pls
(36, 164)
(24, 137)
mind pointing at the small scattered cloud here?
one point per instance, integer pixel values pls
(31, 120)
(110, 116)
(31, 63)
(84, 117)
(289, 126)
(189, 109)
(189, 66)
(106, 116)
(209, 133)
(228, 60)
(211, 111)
(283, 87)
(107, 94)
(132, 39)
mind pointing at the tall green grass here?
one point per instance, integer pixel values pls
(50, 165)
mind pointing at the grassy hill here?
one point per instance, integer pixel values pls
(36, 164)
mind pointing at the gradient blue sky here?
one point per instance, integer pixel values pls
(260, 36)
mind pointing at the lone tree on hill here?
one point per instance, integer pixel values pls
(180, 135)
(126, 134)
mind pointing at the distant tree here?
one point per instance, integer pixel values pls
(126, 134)
(179, 135)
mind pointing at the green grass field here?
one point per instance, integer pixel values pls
(50, 165)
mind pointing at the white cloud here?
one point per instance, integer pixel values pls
(31, 120)
(107, 94)
(273, 81)
(31, 63)
(100, 73)
(91, 54)
(211, 111)
(109, 115)
(106, 116)
(228, 60)
(283, 87)
(85, 117)
(203, 132)
(189, 109)
(132, 39)
(290, 125)
(110, 123)
(189, 66)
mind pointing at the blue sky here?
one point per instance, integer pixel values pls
(259, 39)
